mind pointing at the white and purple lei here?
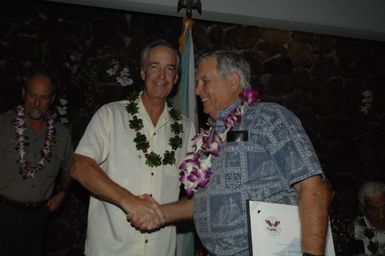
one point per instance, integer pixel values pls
(196, 167)
(27, 169)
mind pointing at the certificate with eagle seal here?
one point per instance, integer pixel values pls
(274, 229)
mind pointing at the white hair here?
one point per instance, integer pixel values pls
(227, 63)
(369, 189)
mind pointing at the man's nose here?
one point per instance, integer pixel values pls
(162, 72)
(36, 101)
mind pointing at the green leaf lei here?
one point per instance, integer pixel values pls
(153, 159)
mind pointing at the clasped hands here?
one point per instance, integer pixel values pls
(145, 213)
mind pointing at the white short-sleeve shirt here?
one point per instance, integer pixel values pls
(108, 139)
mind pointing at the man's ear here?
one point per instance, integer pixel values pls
(234, 81)
(142, 74)
(176, 78)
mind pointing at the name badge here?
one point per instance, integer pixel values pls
(237, 136)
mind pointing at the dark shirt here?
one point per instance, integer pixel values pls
(39, 188)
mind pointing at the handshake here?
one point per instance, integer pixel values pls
(144, 212)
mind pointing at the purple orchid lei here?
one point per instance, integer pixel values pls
(196, 167)
(27, 169)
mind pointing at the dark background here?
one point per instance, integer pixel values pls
(321, 78)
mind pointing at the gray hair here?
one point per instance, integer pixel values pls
(368, 189)
(159, 42)
(229, 62)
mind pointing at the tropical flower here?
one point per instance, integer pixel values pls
(196, 167)
(62, 110)
(121, 74)
(27, 169)
(366, 102)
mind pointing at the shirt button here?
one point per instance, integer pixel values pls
(146, 241)
(139, 156)
(154, 133)
(152, 174)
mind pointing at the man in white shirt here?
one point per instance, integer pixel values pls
(128, 159)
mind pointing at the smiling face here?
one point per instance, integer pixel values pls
(159, 72)
(38, 96)
(215, 92)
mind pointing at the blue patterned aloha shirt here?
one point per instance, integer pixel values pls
(277, 154)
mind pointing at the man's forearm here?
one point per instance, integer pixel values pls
(86, 171)
(64, 181)
(144, 214)
(313, 206)
(178, 211)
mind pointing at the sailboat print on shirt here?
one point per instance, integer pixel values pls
(228, 214)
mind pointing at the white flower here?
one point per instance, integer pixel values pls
(63, 101)
(367, 99)
(75, 57)
(125, 72)
(124, 78)
(367, 93)
(124, 81)
(64, 120)
(121, 74)
(22, 153)
(196, 167)
(62, 110)
(206, 162)
(114, 68)
(28, 169)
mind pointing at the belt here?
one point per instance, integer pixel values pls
(24, 206)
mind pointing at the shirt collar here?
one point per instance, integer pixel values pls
(163, 118)
(218, 123)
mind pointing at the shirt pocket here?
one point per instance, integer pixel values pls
(232, 155)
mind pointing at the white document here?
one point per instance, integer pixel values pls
(275, 230)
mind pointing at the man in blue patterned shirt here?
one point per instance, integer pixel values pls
(268, 157)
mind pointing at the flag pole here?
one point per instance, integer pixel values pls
(185, 100)
(187, 24)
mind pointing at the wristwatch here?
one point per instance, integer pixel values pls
(309, 254)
